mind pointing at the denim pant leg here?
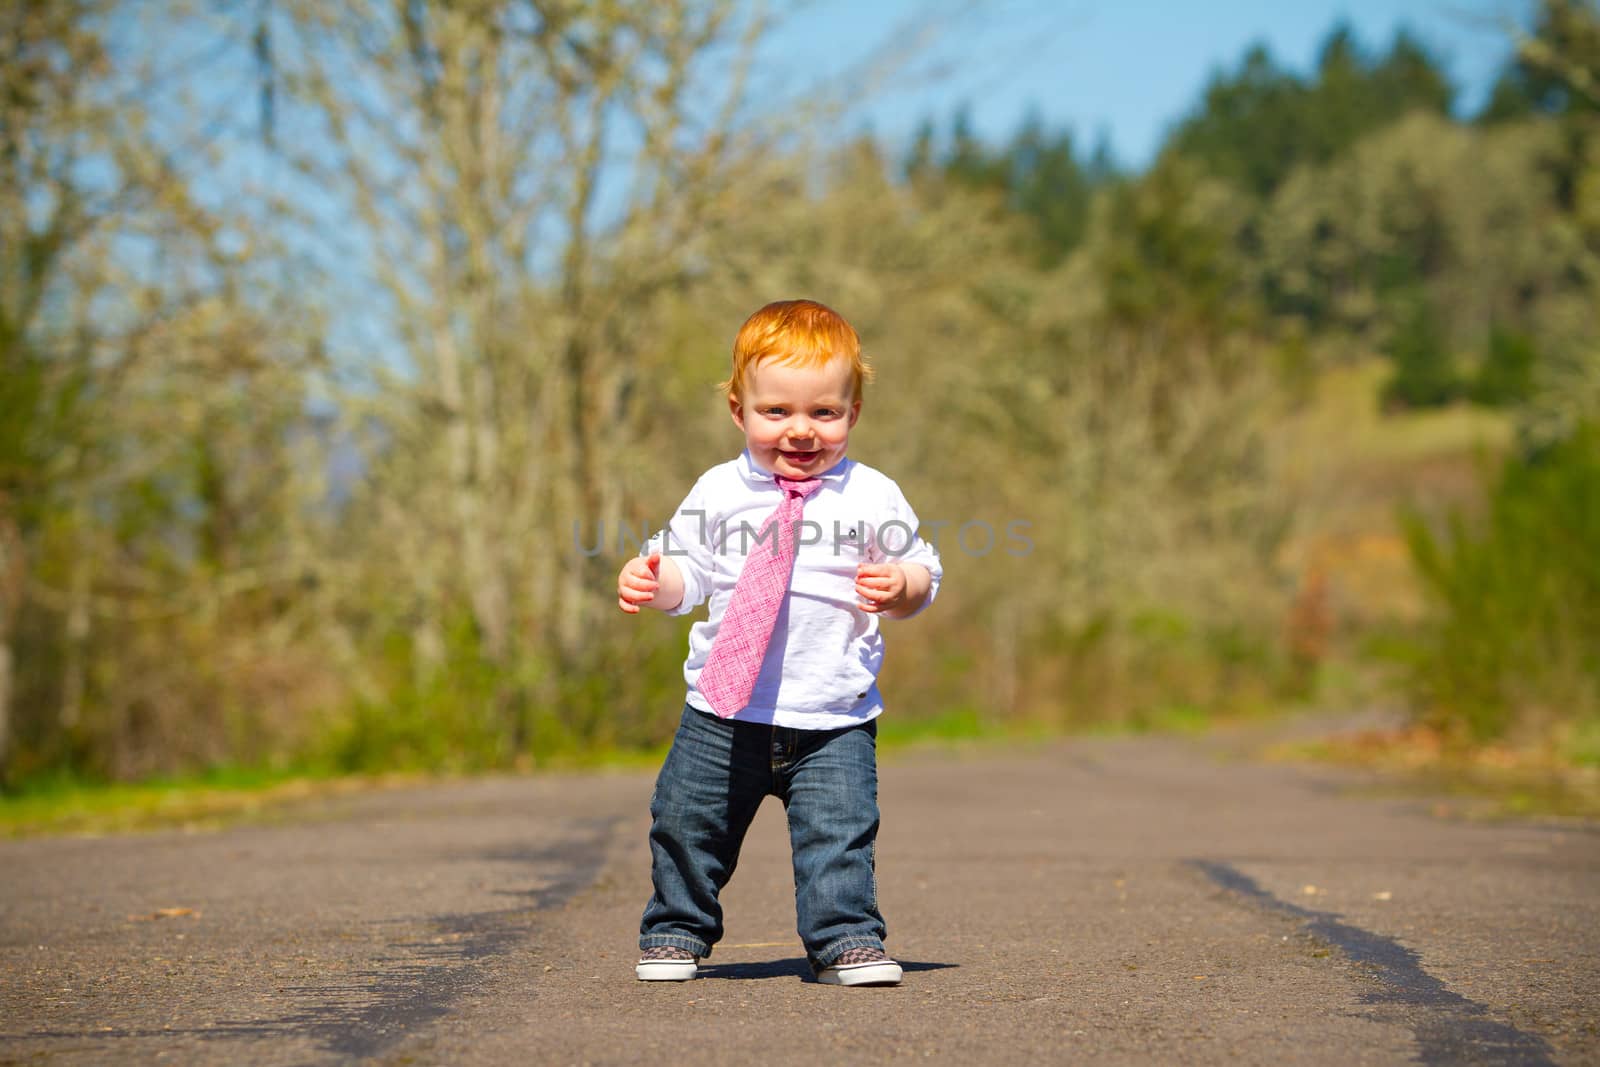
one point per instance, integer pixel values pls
(714, 778)
(830, 790)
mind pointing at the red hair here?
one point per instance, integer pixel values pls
(801, 332)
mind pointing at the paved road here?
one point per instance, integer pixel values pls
(1130, 900)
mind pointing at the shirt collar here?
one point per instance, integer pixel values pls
(757, 475)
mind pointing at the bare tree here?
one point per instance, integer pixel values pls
(527, 180)
(46, 210)
(147, 409)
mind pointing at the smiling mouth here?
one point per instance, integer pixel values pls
(802, 457)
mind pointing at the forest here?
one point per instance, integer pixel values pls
(347, 349)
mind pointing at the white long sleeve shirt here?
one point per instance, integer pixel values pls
(821, 667)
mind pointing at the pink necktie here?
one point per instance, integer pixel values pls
(729, 675)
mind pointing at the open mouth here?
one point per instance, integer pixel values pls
(802, 457)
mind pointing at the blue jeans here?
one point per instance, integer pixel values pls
(716, 775)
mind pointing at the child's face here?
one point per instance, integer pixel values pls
(796, 420)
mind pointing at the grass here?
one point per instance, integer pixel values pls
(1488, 782)
(75, 807)
(1350, 468)
(229, 797)
(1482, 782)
(1347, 467)
(232, 796)
(956, 726)
(1346, 411)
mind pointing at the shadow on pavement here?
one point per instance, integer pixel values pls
(792, 968)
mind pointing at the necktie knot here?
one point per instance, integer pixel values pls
(801, 487)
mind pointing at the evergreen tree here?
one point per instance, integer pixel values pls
(1256, 126)
(1037, 176)
(1049, 187)
(1410, 73)
(970, 162)
(920, 163)
(1555, 70)
(1247, 129)
(1338, 104)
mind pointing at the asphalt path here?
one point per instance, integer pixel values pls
(1114, 900)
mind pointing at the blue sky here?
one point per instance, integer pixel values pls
(1129, 68)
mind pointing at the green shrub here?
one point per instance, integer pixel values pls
(1506, 374)
(1424, 369)
(1511, 647)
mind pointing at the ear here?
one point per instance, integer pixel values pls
(736, 410)
(855, 413)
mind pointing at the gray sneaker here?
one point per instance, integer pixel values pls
(667, 963)
(861, 966)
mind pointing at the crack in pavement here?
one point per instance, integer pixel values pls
(1448, 1027)
(416, 984)
(364, 1018)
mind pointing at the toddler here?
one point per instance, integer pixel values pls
(799, 552)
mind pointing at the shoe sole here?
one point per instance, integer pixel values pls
(861, 974)
(666, 970)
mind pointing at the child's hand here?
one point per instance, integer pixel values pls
(638, 582)
(880, 587)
